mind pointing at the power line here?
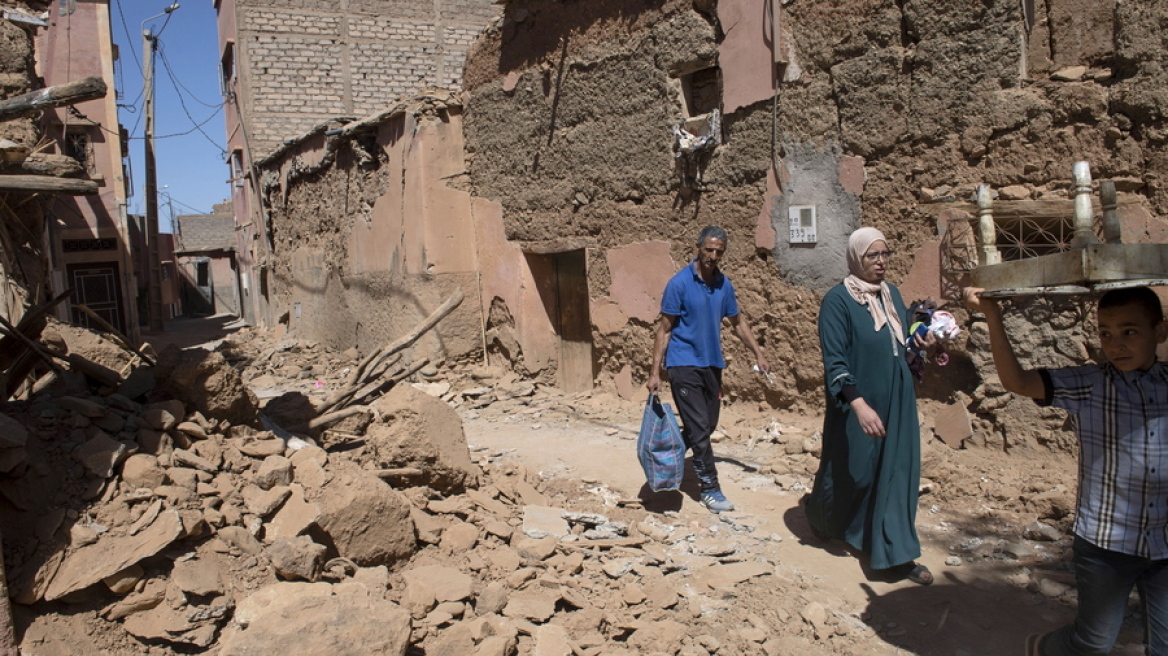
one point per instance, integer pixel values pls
(130, 39)
(173, 78)
(198, 126)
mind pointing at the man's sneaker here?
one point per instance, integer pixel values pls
(716, 502)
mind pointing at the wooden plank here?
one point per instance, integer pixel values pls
(1095, 264)
(34, 184)
(60, 95)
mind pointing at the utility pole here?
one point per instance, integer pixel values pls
(154, 296)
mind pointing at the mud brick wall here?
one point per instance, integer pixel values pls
(309, 61)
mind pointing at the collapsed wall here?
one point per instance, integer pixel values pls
(887, 114)
(369, 235)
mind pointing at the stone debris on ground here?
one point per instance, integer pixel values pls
(165, 523)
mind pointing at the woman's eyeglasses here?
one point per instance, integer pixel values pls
(884, 255)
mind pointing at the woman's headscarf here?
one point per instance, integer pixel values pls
(865, 292)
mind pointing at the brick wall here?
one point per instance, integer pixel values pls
(309, 60)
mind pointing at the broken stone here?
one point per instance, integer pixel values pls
(551, 640)
(1041, 532)
(420, 431)
(293, 518)
(309, 472)
(142, 471)
(192, 429)
(493, 599)
(952, 424)
(1052, 588)
(159, 419)
(273, 471)
(490, 504)
(259, 447)
(663, 636)
(197, 576)
(720, 576)
(448, 583)
(460, 538)
(100, 455)
(83, 407)
(297, 558)
(540, 549)
(238, 537)
(91, 564)
(530, 605)
(184, 458)
(81, 535)
(205, 381)
(296, 621)
(1069, 74)
(544, 521)
(264, 502)
(368, 521)
(152, 595)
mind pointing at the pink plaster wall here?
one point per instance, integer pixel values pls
(376, 245)
(924, 278)
(765, 236)
(435, 156)
(504, 274)
(851, 174)
(419, 225)
(745, 55)
(639, 273)
(607, 316)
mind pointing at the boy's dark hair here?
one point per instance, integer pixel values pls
(1141, 296)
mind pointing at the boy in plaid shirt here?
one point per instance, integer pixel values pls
(1121, 523)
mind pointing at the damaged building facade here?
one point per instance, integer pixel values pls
(562, 188)
(69, 227)
(290, 68)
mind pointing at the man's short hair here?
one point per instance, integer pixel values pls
(1141, 296)
(712, 231)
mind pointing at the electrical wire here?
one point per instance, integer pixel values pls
(130, 39)
(179, 88)
(173, 78)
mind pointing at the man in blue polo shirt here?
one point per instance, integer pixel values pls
(689, 342)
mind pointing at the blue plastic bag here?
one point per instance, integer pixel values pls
(660, 447)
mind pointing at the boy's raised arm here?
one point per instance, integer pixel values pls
(1027, 382)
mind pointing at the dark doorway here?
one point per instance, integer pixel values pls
(95, 285)
(562, 279)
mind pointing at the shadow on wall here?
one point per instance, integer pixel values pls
(533, 41)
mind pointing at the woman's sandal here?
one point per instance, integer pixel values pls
(920, 575)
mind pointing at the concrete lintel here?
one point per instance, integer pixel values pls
(1087, 267)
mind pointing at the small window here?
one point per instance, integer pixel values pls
(702, 91)
(237, 168)
(227, 70)
(203, 273)
(79, 146)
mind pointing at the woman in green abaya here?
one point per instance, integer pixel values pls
(869, 472)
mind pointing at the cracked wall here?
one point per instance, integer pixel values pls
(880, 105)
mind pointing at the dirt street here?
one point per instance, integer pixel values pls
(980, 604)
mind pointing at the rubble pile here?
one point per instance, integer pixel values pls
(173, 521)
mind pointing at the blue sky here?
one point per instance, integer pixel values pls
(186, 94)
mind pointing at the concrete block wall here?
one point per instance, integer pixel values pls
(304, 62)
